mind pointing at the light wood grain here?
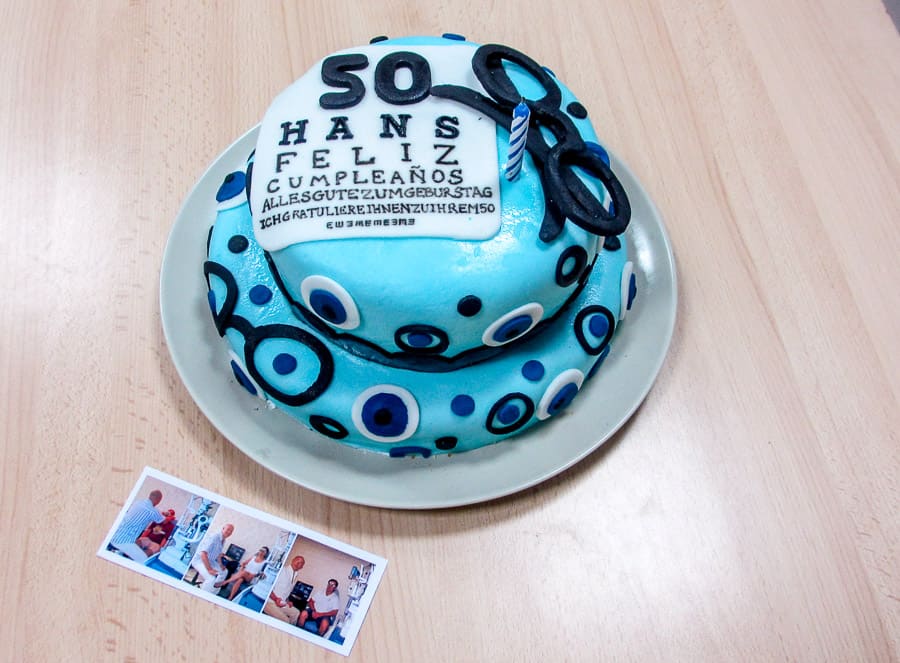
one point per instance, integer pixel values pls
(749, 511)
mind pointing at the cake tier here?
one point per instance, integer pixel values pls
(277, 355)
(388, 220)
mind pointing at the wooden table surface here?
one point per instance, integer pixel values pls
(748, 512)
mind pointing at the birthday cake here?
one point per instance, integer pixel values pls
(425, 251)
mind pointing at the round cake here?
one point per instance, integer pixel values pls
(424, 253)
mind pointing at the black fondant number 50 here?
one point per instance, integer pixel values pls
(336, 73)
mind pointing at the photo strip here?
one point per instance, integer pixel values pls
(279, 573)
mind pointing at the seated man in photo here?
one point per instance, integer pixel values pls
(278, 605)
(323, 607)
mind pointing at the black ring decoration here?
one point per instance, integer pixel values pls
(222, 319)
(579, 331)
(566, 279)
(420, 363)
(567, 197)
(443, 339)
(326, 364)
(328, 427)
(518, 423)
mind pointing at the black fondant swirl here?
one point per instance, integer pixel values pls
(222, 319)
(566, 195)
(422, 363)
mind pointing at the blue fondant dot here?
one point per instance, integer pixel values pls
(327, 306)
(284, 364)
(419, 340)
(385, 415)
(455, 37)
(632, 291)
(211, 298)
(563, 397)
(509, 413)
(598, 325)
(238, 244)
(233, 184)
(260, 294)
(462, 405)
(533, 370)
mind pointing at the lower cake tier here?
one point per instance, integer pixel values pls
(276, 356)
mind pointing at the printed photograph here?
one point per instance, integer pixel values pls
(239, 558)
(161, 526)
(321, 590)
(289, 577)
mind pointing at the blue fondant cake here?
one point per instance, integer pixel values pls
(383, 272)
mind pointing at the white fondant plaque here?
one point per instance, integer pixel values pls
(359, 148)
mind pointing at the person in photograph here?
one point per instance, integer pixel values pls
(157, 534)
(323, 606)
(209, 562)
(278, 605)
(138, 516)
(248, 572)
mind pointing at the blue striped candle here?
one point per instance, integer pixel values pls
(518, 135)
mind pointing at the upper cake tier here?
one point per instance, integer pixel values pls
(401, 148)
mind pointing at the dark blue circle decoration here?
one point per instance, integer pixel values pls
(232, 186)
(455, 37)
(329, 301)
(402, 452)
(257, 335)
(632, 290)
(385, 415)
(468, 306)
(598, 363)
(462, 405)
(260, 294)
(513, 325)
(327, 306)
(284, 364)
(592, 343)
(242, 379)
(238, 244)
(562, 399)
(561, 391)
(211, 299)
(446, 443)
(328, 427)
(421, 339)
(512, 328)
(499, 421)
(570, 265)
(576, 110)
(533, 370)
